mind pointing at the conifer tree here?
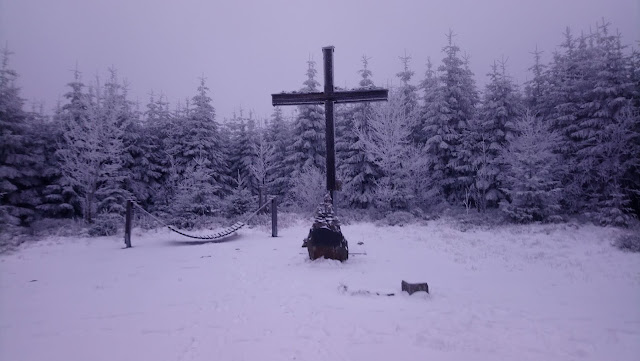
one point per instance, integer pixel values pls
(278, 137)
(149, 167)
(531, 178)
(91, 156)
(491, 133)
(357, 167)
(240, 153)
(116, 119)
(261, 166)
(18, 172)
(308, 148)
(408, 90)
(58, 197)
(447, 116)
(196, 194)
(535, 89)
(429, 87)
(591, 91)
(79, 153)
(240, 201)
(607, 119)
(388, 141)
(197, 136)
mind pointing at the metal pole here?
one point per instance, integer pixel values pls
(274, 217)
(127, 224)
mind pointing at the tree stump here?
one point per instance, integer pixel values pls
(325, 238)
(411, 288)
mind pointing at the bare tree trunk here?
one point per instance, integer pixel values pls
(89, 207)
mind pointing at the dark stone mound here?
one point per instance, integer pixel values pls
(325, 238)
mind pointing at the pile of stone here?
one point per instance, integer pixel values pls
(325, 238)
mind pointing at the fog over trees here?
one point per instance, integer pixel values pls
(566, 143)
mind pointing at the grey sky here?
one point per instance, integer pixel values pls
(250, 49)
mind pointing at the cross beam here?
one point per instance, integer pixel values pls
(329, 97)
(339, 96)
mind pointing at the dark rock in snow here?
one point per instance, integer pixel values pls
(411, 288)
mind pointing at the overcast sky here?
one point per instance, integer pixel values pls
(250, 49)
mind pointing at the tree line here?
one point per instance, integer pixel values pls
(567, 143)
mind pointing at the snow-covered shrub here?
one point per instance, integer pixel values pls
(399, 218)
(9, 238)
(353, 215)
(307, 190)
(196, 195)
(6, 219)
(612, 208)
(62, 227)
(106, 224)
(391, 198)
(628, 242)
(239, 202)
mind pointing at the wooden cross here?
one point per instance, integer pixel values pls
(329, 97)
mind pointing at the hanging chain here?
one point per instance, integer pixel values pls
(225, 232)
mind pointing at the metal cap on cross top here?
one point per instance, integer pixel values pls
(328, 98)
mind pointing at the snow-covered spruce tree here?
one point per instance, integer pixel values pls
(409, 91)
(261, 166)
(429, 189)
(531, 179)
(591, 88)
(240, 201)
(535, 89)
(568, 77)
(388, 141)
(632, 180)
(344, 139)
(240, 153)
(617, 170)
(80, 153)
(429, 88)
(196, 150)
(149, 170)
(357, 167)
(279, 137)
(196, 195)
(308, 148)
(447, 115)
(490, 134)
(116, 117)
(196, 134)
(607, 119)
(92, 153)
(58, 197)
(18, 159)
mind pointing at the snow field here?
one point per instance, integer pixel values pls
(553, 292)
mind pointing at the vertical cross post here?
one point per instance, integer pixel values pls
(328, 97)
(274, 217)
(127, 224)
(327, 54)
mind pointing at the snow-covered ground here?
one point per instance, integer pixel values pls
(553, 292)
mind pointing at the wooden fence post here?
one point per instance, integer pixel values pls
(274, 217)
(127, 225)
